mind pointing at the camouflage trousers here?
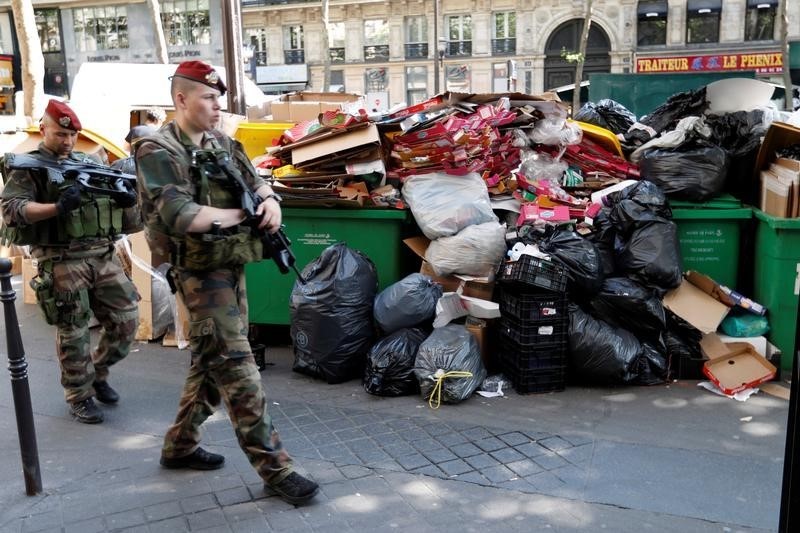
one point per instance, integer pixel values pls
(223, 367)
(99, 284)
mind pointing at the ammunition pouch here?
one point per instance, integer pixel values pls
(59, 307)
(98, 218)
(206, 251)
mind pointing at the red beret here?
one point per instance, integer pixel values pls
(63, 115)
(202, 72)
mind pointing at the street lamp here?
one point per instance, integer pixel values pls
(441, 48)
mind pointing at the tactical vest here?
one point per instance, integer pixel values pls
(205, 251)
(97, 217)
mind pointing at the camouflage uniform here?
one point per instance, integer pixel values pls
(84, 275)
(216, 300)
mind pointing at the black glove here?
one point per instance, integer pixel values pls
(126, 199)
(70, 199)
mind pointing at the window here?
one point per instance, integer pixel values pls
(759, 21)
(256, 39)
(416, 37)
(504, 33)
(459, 35)
(376, 40)
(702, 21)
(293, 45)
(336, 33)
(49, 29)
(457, 78)
(337, 81)
(100, 28)
(185, 22)
(375, 80)
(416, 85)
(651, 27)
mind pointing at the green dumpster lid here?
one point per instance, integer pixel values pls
(723, 201)
(777, 222)
(712, 214)
(330, 212)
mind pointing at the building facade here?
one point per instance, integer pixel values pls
(407, 50)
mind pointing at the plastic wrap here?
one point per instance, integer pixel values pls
(390, 364)
(331, 314)
(475, 251)
(449, 349)
(443, 204)
(409, 302)
(542, 167)
(555, 131)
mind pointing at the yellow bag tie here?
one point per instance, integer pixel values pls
(440, 375)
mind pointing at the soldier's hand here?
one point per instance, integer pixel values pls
(126, 199)
(69, 199)
(269, 212)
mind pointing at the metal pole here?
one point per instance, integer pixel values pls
(436, 47)
(18, 368)
(790, 495)
(232, 46)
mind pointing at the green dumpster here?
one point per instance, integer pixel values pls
(709, 236)
(777, 278)
(375, 232)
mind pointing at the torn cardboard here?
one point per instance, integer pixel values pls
(340, 146)
(698, 302)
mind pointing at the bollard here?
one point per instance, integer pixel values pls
(18, 368)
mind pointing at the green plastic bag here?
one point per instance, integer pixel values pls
(745, 325)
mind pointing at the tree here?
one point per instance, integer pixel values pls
(326, 47)
(587, 23)
(158, 30)
(787, 75)
(32, 59)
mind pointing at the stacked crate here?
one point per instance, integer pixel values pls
(534, 324)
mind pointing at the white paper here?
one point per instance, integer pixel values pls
(452, 305)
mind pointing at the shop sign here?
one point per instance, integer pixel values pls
(6, 72)
(761, 62)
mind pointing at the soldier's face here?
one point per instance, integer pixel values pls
(59, 140)
(203, 108)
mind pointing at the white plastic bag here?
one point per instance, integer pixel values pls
(443, 204)
(475, 251)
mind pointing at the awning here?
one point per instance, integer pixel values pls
(762, 3)
(697, 5)
(282, 87)
(659, 7)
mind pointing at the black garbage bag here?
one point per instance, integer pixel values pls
(448, 349)
(739, 134)
(652, 255)
(603, 238)
(625, 303)
(677, 106)
(599, 353)
(695, 172)
(683, 348)
(409, 302)
(579, 256)
(607, 114)
(652, 367)
(645, 194)
(331, 315)
(390, 364)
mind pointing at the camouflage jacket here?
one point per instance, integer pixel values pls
(168, 189)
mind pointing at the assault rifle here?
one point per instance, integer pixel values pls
(276, 245)
(91, 177)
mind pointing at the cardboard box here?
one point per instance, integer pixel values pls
(779, 135)
(480, 330)
(699, 301)
(735, 366)
(336, 146)
(29, 270)
(474, 287)
(298, 107)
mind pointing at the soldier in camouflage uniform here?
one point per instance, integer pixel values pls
(193, 217)
(71, 234)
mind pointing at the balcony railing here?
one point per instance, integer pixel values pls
(376, 52)
(458, 48)
(337, 54)
(294, 57)
(502, 47)
(257, 3)
(417, 51)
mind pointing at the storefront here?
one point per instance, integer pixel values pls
(6, 84)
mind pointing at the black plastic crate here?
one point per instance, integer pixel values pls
(534, 334)
(540, 380)
(531, 307)
(536, 273)
(526, 358)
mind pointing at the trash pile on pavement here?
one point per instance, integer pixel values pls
(549, 249)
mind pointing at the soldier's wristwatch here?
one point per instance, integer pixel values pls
(277, 197)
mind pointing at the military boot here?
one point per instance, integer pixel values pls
(199, 459)
(104, 393)
(86, 411)
(295, 488)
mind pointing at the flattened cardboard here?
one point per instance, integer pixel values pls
(336, 147)
(779, 135)
(297, 107)
(698, 306)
